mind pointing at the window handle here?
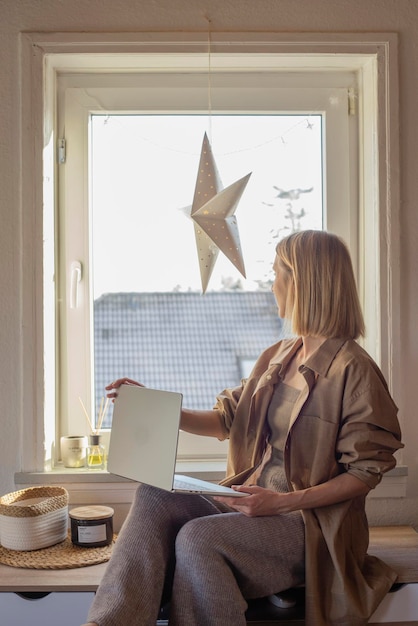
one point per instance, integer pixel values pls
(75, 280)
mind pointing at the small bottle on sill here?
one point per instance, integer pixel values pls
(95, 453)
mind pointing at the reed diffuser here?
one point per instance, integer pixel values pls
(96, 453)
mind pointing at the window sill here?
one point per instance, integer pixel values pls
(100, 485)
(212, 470)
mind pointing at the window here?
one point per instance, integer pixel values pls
(51, 59)
(163, 114)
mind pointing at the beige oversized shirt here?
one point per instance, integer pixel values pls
(344, 421)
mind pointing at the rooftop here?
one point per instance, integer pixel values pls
(188, 342)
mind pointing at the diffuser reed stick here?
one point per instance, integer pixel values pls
(102, 414)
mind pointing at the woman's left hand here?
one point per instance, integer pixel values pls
(260, 501)
(113, 387)
(263, 501)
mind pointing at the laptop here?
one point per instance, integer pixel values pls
(144, 440)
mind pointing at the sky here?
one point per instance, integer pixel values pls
(143, 176)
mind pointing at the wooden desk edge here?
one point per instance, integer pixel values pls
(78, 579)
(88, 578)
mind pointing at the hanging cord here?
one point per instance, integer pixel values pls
(209, 82)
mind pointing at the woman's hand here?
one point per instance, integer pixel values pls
(263, 501)
(112, 387)
(260, 501)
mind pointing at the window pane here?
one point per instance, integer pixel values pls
(151, 322)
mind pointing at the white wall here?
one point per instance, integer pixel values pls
(400, 16)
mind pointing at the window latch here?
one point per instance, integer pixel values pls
(62, 151)
(75, 279)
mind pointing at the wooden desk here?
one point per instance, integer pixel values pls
(396, 545)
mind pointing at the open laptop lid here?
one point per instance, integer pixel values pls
(144, 438)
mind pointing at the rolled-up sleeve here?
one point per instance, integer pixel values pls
(369, 435)
(226, 404)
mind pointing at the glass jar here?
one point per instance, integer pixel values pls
(96, 454)
(92, 526)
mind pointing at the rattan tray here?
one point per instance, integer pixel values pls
(64, 555)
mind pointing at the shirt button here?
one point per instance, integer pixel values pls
(268, 376)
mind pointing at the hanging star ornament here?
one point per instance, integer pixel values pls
(213, 215)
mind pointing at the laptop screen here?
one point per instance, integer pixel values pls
(144, 438)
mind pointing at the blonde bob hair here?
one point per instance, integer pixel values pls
(322, 298)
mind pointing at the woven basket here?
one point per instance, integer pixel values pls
(33, 518)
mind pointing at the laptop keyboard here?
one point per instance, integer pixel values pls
(180, 483)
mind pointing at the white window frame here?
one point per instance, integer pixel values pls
(186, 90)
(371, 56)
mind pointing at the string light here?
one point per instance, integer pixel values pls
(309, 125)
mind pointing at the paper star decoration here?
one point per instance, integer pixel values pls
(213, 214)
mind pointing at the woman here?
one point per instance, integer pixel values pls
(310, 432)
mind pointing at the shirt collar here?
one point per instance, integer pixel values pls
(319, 362)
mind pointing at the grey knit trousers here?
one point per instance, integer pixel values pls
(206, 560)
